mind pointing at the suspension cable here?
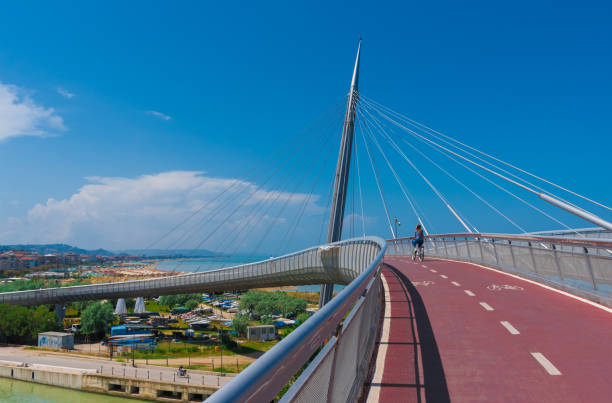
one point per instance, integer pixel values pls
(465, 186)
(402, 187)
(432, 131)
(360, 194)
(436, 191)
(375, 171)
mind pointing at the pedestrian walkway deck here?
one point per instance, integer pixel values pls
(460, 332)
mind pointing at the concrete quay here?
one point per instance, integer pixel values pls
(91, 380)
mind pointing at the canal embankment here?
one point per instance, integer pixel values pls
(141, 383)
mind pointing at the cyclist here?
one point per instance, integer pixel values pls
(418, 240)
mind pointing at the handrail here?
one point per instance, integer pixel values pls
(596, 242)
(262, 380)
(578, 266)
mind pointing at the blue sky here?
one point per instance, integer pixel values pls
(105, 100)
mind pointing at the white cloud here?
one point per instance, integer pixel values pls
(159, 115)
(20, 116)
(122, 213)
(65, 93)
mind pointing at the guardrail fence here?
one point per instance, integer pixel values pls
(582, 264)
(342, 334)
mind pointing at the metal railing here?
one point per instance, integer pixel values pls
(576, 264)
(346, 343)
(337, 263)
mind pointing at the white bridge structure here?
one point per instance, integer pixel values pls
(332, 351)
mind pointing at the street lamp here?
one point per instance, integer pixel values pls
(397, 225)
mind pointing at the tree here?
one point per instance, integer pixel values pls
(240, 324)
(266, 303)
(43, 321)
(179, 299)
(96, 318)
(23, 324)
(192, 304)
(303, 317)
(82, 305)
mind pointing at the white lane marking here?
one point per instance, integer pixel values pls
(374, 394)
(470, 293)
(487, 306)
(495, 287)
(425, 283)
(567, 294)
(509, 327)
(548, 366)
(455, 283)
(424, 266)
(433, 271)
(443, 276)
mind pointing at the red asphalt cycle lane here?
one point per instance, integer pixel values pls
(456, 349)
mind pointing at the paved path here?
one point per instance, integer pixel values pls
(463, 333)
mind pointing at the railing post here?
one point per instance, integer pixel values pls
(512, 254)
(588, 260)
(495, 252)
(467, 246)
(456, 247)
(330, 388)
(532, 257)
(445, 247)
(482, 259)
(556, 255)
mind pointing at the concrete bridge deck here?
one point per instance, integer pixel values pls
(460, 332)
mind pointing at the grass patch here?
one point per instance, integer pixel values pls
(153, 306)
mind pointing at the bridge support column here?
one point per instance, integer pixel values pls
(140, 305)
(121, 308)
(336, 216)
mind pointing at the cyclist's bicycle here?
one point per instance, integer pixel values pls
(418, 253)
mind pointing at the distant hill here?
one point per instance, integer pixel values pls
(56, 248)
(63, 248)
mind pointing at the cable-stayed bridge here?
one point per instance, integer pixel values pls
(485, 317)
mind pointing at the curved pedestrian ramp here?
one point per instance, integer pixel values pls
(336, 263)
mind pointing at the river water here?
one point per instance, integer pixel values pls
(13, 391)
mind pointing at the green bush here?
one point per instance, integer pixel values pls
(227, 341)
(179, 299)
(192, 304)
(22, 324)
(240, 324)
(270, 303)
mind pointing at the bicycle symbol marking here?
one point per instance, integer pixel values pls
(495, 287)
(423, 283)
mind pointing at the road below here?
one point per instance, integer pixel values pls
(37, 357)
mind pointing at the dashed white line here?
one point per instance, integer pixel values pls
(455, 283)
(509, 327)
(470, 293)
(433, 271)
(424, 266)
(548, 366)
(443, 276)
(487, 306)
